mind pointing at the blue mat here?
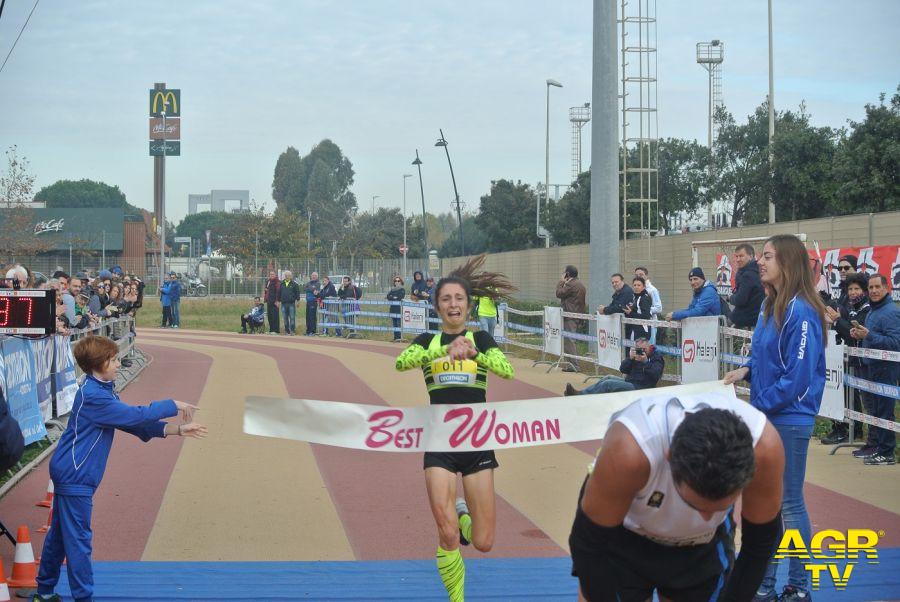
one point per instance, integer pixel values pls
(486, 579)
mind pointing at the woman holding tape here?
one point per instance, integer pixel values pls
(787, 379)
(456, 363)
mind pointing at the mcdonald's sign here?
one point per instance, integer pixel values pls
(165, 100)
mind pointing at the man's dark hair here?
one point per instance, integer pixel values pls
(60, 274)
(572, 271)
(621, 277)
(747, 247)
(859, 279)
(712, 453)
(876, 276)
(643, 269)
(640, 279)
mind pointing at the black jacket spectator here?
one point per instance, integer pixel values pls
(748, 296)
(273, 287)
(12, 444)
(620, 299)
(640, 310)
(327, 291)
(858, 311)
(289, 292)
(644, 375)
(349, 292)
(419, 290)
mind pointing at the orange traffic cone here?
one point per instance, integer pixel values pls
(46, 527)
(24, 572)
(49, 498)
(4, 589)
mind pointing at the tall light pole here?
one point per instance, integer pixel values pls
(308, 237)
(771, 114)
(374, 196)
(406, 252)
(546, 235)
(462, 242)
(418, 164)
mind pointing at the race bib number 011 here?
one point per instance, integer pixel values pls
(454, 372)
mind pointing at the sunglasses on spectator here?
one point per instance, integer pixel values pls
(845, 268)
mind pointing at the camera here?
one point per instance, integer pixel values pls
(639, 351)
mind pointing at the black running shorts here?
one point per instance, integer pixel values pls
(462, 462)
(631, 567)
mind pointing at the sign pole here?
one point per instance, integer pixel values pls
(162, 212)
(159, 167)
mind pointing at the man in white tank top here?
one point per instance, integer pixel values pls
(655, 512)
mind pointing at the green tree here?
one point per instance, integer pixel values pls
(196, 225)
(288, 184)
(384, 230)
(683, 178)
(867, 163)
(506, 216)
(569, 218)
(741, 161)
(16, 218)
(85, 194)
(476, 241)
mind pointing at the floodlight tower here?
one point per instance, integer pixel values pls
(578, 116)
(710, 56)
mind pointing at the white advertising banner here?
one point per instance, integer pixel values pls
(699, 349)
(553, 330)
(414, 316)
(449, 427)
(609, 340)
(833, 396)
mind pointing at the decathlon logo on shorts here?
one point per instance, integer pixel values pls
(829, 547)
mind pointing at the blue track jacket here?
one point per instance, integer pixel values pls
(787, 366)
(80, 458)
(705, 302)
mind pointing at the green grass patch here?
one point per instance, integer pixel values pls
(31, 452)
(222, 314)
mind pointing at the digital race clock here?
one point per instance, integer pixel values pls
(27, 311)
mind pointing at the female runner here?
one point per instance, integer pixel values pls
(455, 364)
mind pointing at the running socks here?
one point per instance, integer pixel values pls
(453, 573)
(465, 527)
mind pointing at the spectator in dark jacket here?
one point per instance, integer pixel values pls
(705, 301)
(255, 318)
(419, 290)
(882, 331)
(856, 310)
(272, 297)
(622, 296)
(571, 294)
(289, 294)
(313, 288)
(642, 369)
(638, 308)
(846, 267)
(12, 444)
(349, 294)
(328, 292)
(395, 296)
(748, 292)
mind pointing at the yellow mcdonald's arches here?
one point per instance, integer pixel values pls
(168, 98)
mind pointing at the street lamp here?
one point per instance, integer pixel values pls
(374, 196)
(542, 233)
(771, 114)
(462, 242)
(418, 164)
(406, 252)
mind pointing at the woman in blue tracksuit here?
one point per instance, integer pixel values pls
(787, 378)
(80, 459)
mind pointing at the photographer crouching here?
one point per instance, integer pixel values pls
(642, 369)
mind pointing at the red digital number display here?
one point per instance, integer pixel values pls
(31, 311)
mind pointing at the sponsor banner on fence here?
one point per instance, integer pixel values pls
(883, 259)
(553, 330)
(66, 377)
(699, 349)
(833, 396)
(42, 353)
(609, 340)
(448, 427)
(21, 388)
(414, 316)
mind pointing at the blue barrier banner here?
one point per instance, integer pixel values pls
(21, 389)
(42, 353)
(66, 377)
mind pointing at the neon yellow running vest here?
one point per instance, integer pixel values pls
(443, 373)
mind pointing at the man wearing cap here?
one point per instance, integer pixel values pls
(705, 301)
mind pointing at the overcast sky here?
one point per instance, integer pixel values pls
(380, 78)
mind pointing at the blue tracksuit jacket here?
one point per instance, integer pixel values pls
(80, 459)
(787, 366)
(705, 302)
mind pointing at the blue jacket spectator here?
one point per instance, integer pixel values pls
(165, 296)
(312, 290)
(175, 290)
(706, 299)
(419, 290)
